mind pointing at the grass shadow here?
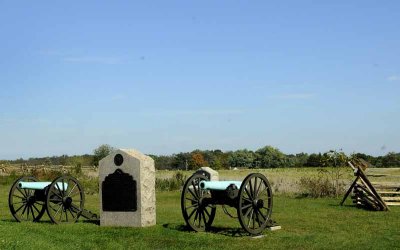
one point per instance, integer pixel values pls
(96, 222)
(38, 222)
(225, 231)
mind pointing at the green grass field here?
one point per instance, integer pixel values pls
(306, 224)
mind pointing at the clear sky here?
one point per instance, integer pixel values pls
(171, 76)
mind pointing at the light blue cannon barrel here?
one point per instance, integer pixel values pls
(41, 185)
(218, 185)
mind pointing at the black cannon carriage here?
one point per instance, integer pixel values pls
(252, 199)
(63, 199)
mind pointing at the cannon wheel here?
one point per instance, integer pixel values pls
(198, 216)
(255, 203)
(22, 202)
(65, 206)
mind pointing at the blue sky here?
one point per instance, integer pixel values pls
(171, 76)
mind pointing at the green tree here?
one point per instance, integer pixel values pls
(314, 160)
(241, 159)
(101, 152)
(391, 160)
(270, 157)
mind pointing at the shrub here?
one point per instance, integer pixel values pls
(328, 183)
(45, 175)
(174, 183)
(317, 187)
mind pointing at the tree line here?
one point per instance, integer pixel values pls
(265, 157)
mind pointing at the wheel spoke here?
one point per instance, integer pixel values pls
(193, 194)
(59, 190)
(53, 192)
(262, 215)
(23, 211)
(255, 188)
(75, 193)
(33, 213)
(258, 188)
(195, 189)
(19, 196)
(204, 218)
(246, 199)
(23, 194)
(191, 214)
(251, 190)
(248, 194)
(199, 218)
(72, 189)
(18, 202)
(247, 212)
(195, 217)
(27, 212)
(205, 210)
(251, 215)
(33, 205)
(247, 206)
(16, 211)
(58, 210)
(192, 206)
(191, 200)
(258, 219)
(70, 210)
(264, 189)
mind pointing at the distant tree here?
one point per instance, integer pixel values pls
(391, 160)
(181, 160)
(270, 157)
(334, 158)
(314, 160)
(101, 152)
(241, 158)
(197, 160)
(47, 161)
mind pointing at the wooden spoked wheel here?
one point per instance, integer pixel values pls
(198, 214)
(65, 199)
(23, 203)
(255, 203)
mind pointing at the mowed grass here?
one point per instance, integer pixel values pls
(306, 224)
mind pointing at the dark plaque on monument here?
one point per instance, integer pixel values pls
(119, 192)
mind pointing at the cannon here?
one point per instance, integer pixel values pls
(63, 199)
(252, 199)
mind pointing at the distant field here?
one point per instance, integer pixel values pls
(306, 224)
(283, 180)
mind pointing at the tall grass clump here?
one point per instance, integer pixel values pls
(328, 183)
(174, 183)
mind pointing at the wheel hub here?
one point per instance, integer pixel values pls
(67, 202)
(258, 203)
(30, 200)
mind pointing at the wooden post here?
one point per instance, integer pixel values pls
(349, 191)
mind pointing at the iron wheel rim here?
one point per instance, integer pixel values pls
(65, 202)
(255, 203)
(22, 203)
(198, 217)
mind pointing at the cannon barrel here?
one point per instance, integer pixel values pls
(41, 185)
(218, 185)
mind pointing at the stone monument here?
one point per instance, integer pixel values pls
(127, 189)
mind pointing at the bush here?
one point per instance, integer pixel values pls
(78, 168)
(174, 183)
(328, 183)
(44, 174)
(317, 187)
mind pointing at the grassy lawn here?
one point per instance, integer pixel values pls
(306, 224)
